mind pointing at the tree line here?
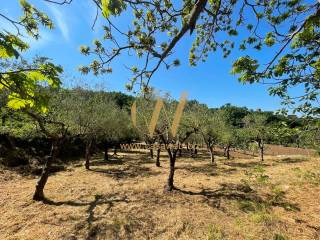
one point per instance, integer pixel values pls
(101, 120)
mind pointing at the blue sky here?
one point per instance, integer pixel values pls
(209, 82)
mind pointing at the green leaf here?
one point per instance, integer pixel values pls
(18, 103)
(36, 76)
(105, 8)
(6, 52)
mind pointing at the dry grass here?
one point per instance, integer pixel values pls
(124, 199)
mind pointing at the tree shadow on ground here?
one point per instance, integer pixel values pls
(202, 155)
(121, 228)
(239, 192)
(93, 231)
(208, 169)
(292, 160)
(99, 200)
(127, 172)
(246, 164)
(110, 161)
(144, 159)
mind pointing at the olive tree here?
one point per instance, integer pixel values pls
(168, 123)
(257, 130)
(229, 139)
(144, 110)
(210, 126)
(93, 117)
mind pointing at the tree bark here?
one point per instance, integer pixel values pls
(115, 150)
(158, 157)
(228, 152)
(261, 146)
(211, 154)
(88, 154)
(151, 153)
(106, 157)
(172, 157)
(180, 152)
(39, 194)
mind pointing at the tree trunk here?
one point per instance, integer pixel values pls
(228, 152)
(172, 157)
(211, 154)
(115, 150)
(106, 157)
(151, 153)
(88, 154)
(158, 157)
(39, 194)
(180, 152)
(261, 146)
(195, 149)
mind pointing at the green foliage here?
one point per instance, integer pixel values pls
(247, 67)
(112, 7)
(31, 19)
(91, 115)
(215, 233)
(11, 45)
(256, 128)
(23, 81)
(256, 177)
(289, 29)
(279, 236)
(24, 84)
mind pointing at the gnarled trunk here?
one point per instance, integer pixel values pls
(115, 150)
(158, 157)
(211, 154)
(195, 152)
(88, 154)
(224, 151)
(172, 158)
(39, 194)
(228, 152)
(106, 148)
(261, 147)
(151, 153)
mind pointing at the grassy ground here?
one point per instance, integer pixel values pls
(124, 199)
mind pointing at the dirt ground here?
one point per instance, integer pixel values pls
(124, 199)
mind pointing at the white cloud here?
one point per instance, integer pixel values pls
(45, 35)
(45, 38)
(60, 21)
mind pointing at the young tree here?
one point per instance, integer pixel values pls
(169, 124)
(144, 107)
(257, 130)
(94, 117)
(210, 124)
(229, 139)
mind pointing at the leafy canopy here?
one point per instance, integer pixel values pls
(289, 29)
(23, 80)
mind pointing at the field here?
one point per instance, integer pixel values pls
(124, 199)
